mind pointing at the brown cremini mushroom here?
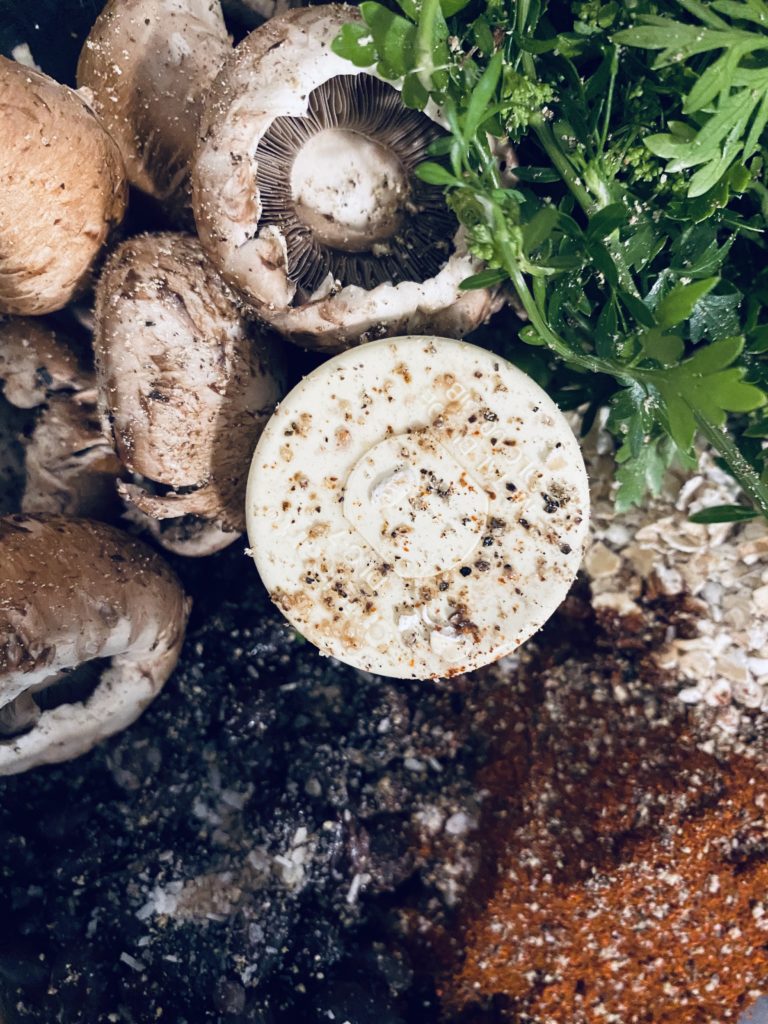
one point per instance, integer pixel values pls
(70, 466)
(62, 189)
(147, 64)
(305, 198)
(73, 591)
(186, 384)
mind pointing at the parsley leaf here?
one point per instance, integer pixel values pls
(633, 232)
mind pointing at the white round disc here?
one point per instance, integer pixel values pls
(417, 507)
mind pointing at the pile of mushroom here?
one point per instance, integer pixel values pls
(292, 171)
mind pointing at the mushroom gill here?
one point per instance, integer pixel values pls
(339, 185)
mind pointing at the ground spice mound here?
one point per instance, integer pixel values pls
(625, 868)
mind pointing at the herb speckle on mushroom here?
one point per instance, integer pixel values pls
(102, 595)
(305, 198)
(62, 189)
(186, 384)
(148, 64)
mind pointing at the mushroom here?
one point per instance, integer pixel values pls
(72, 591)
(186, 384)
(62, 189)
(147, 64)
(70, 467)
(417, 507)
(188, 536)
(304, 195)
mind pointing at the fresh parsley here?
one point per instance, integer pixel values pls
(634, 233)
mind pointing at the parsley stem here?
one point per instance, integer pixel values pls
(589, 203)
(563, 165)
(553, 340)
(738, 466)
(425, 43)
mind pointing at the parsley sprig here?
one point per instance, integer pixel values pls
(635, 224)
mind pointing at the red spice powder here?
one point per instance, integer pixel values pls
(625, 870)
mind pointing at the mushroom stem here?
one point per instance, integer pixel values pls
(62, 189)
(148, 64)
(74, 590)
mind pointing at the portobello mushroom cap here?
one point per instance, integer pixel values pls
(304, 195)
(147, 64)
(73, 591)
(62, 189)
(185, 383)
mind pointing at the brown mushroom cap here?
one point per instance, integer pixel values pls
(70, 467)
(148, 64)
(186, 384)
(72, 591)
(35, 362)
(304, 195)
(62, 188)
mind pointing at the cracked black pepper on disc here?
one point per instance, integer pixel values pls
(417, 507)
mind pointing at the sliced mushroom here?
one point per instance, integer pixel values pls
(70, 466)
(72, 591)
(186, 384)
(62, 189)
(305, 199)
(147, 64)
